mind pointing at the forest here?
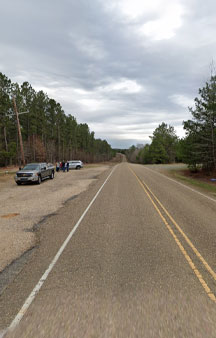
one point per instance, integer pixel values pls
(48, 134)
(197, 149)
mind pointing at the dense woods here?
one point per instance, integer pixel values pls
(197, 148)
(48, 133)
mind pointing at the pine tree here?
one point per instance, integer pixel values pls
(200, 141)
(164, 143)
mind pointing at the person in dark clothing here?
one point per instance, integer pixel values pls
(67, 166)
(63, 166)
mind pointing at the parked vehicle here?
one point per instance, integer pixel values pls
(75, 164)
(34, 172)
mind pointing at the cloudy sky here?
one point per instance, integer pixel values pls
(122, 66)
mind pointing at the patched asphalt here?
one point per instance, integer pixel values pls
(122, 274)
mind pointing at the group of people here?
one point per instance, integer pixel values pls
(62, 166)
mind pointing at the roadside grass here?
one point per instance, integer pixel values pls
(179, 175)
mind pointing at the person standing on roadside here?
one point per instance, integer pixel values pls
(67, 166)
(57, 166)
(63, 166)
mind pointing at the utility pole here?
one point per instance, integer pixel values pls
(19, 131)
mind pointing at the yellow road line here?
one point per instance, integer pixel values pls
(185, 237)
(187, 257)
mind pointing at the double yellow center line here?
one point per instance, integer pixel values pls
(150, 194)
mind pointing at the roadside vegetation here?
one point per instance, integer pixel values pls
(199, 182)
(48, 133)
(181, 173)
(197, 149)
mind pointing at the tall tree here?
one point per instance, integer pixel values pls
(163, 146)
(200, 141)
(7, 122)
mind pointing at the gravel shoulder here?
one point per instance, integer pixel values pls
(24, 207)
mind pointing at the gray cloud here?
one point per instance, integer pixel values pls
(122, 66)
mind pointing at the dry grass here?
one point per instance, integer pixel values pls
(200, 179)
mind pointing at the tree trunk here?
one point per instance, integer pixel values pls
(5, 138)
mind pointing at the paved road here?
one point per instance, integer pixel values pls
(141, 263)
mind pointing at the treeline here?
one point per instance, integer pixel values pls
(163, 147)
(197, 148)
(48, 133)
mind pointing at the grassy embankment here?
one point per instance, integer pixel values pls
(199, 180)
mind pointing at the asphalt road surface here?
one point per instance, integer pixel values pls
(140, 263)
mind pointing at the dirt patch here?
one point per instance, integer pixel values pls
(6, 178)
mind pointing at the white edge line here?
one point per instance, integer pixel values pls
(36, 289)
(183, 185)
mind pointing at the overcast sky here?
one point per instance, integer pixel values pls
(122, 66)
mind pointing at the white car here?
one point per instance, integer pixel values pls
(75, 164)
